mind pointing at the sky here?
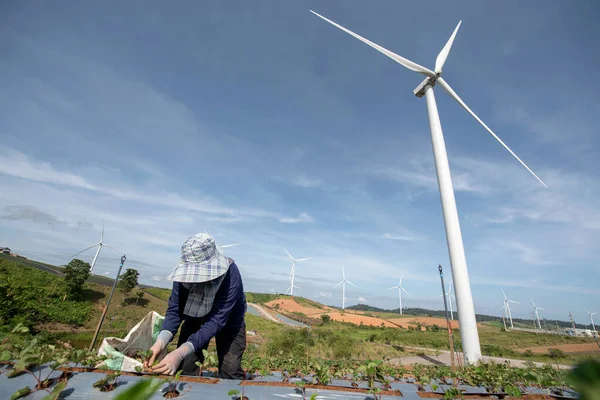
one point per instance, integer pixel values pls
(264, 125)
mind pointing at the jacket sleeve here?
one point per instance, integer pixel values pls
(174, 314)
(225, 300)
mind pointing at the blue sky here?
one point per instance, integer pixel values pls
(262, 124)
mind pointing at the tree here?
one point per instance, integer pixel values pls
(138, 296)
(128, 281)
(76, 273)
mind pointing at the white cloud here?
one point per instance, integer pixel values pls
(157, 278)
(304, 217)
(324, 294)
(389, 236)
(362, 300)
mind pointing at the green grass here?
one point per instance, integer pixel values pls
(260, 298)
(161, 293)
(308, 303)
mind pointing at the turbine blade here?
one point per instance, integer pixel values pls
(288, 253)
(395, 287)
(338, 284)
(399, 59)
(102, 234)
(441, 58)
(351, 283)
(84, 250)
(586, 310)
(303, 259)
(112, 248)
(504, 294)
(229, 245)
(407, 293)
(512, 301)
(453, 94)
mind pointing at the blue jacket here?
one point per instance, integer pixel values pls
(228, 309)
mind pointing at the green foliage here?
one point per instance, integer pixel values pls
(289, 341)
(128, 281)
(260, 298)
(76, 273)
(141, 390)
(138, 296)
(585, 377)
(325, 318)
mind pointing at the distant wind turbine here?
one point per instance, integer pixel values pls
(400, 289)
(449, 295)
(100, 245)
(464, 299)
(293, 272)
(591, 314)
(343, 283)
(507, 307)
(537, 315)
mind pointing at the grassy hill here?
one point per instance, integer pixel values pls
(32, 293)
(518, 322)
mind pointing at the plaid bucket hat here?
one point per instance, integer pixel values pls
(201, 260)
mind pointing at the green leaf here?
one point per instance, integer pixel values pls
(56, 391)
(585, 377)
(233, 392)
(141, 390)
(20, 393)
(313, 396)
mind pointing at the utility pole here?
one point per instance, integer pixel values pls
(573, 324)
(450, 338)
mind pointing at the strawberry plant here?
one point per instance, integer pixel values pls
(109, 382)
(172, 391)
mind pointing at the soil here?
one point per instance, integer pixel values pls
(567, 348)
(182, 378)
(171, 394)
(384, 392)
(424, 321)
(291, 306)
(357, 319)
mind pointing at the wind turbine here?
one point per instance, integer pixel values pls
(229, 245)
(537, 316)
(464, 301)
(507, 307)
(293, 272)
(450, 295)
(100, 245)
(591, 318)
(343, 283)
(400, 289)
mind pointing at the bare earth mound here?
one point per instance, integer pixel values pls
(289, 305)
(424, 321)
(567, 348)
(357, 319)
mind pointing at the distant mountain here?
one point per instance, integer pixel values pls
(478, 317)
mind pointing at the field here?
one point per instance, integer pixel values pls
(349, 335)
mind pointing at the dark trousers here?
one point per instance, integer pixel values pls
(231, 343)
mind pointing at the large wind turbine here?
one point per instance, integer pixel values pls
(464, 300)
(507, 307)
(100, 245)
(450, 295)
(537, 315)
(343, 283)
(400, 289)
(591, 314)
(293, 272)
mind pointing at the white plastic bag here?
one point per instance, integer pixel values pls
(140, 338)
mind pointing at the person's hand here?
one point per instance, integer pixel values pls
(156, 348)
(169, 364)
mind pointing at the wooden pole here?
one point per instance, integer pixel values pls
(112, 290)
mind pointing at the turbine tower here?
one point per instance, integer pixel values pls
(537, 315)
(460, 275)
(591, 314)
(343, 283)
(100, 245)
(449, 295)
(400, 289)
(293, 272)
(507, 307)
